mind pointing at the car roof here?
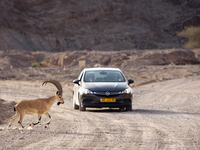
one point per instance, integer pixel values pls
(91, 69)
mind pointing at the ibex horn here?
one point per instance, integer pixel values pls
(56, 83)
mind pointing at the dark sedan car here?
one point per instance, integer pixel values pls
(102, 87)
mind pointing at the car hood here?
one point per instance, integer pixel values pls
(105, 86)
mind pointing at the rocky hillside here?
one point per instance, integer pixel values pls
(49, 25)
(24, 59)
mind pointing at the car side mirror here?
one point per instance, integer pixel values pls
(76, 81)
(130, 81)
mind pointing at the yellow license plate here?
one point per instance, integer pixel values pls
(108, 100)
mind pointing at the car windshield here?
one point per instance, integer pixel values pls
(104, 76)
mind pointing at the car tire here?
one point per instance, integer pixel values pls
(81, 108)
(75, 106)
(121, 108)
(129, 108)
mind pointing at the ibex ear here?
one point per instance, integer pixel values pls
(58, 93)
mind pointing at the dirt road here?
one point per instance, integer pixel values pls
(165, 115)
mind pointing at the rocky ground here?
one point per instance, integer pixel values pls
(47, 39)
(165, 103)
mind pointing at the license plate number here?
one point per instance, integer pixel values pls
(108, 100)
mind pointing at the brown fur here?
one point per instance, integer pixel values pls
(38, 106)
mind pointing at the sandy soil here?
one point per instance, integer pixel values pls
(165, 116)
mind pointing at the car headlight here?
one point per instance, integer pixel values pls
(127, 91)
(85, 91)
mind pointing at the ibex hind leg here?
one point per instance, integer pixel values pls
(48, 115)
(17, 115)
(21, 119)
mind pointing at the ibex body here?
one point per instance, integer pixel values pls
(38, 106)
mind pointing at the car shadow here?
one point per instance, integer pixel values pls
(104, 110)
(166, 112)
(142, 111)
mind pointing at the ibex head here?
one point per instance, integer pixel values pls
(59, 92)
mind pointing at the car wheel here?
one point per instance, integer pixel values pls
(129, 108)
(81, 108)
(121, 108)
(75, 106)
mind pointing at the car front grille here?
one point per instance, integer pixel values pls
(107, 94)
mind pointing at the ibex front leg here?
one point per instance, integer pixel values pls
(48, 115)
(39, 119)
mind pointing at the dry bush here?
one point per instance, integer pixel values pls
(41, 64)
(193, 34)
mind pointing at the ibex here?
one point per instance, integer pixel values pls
(38, 106)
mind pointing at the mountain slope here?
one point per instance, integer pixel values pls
(48, 25)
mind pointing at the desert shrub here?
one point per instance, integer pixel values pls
(35, 64)
(193, 34)
(41, 64)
